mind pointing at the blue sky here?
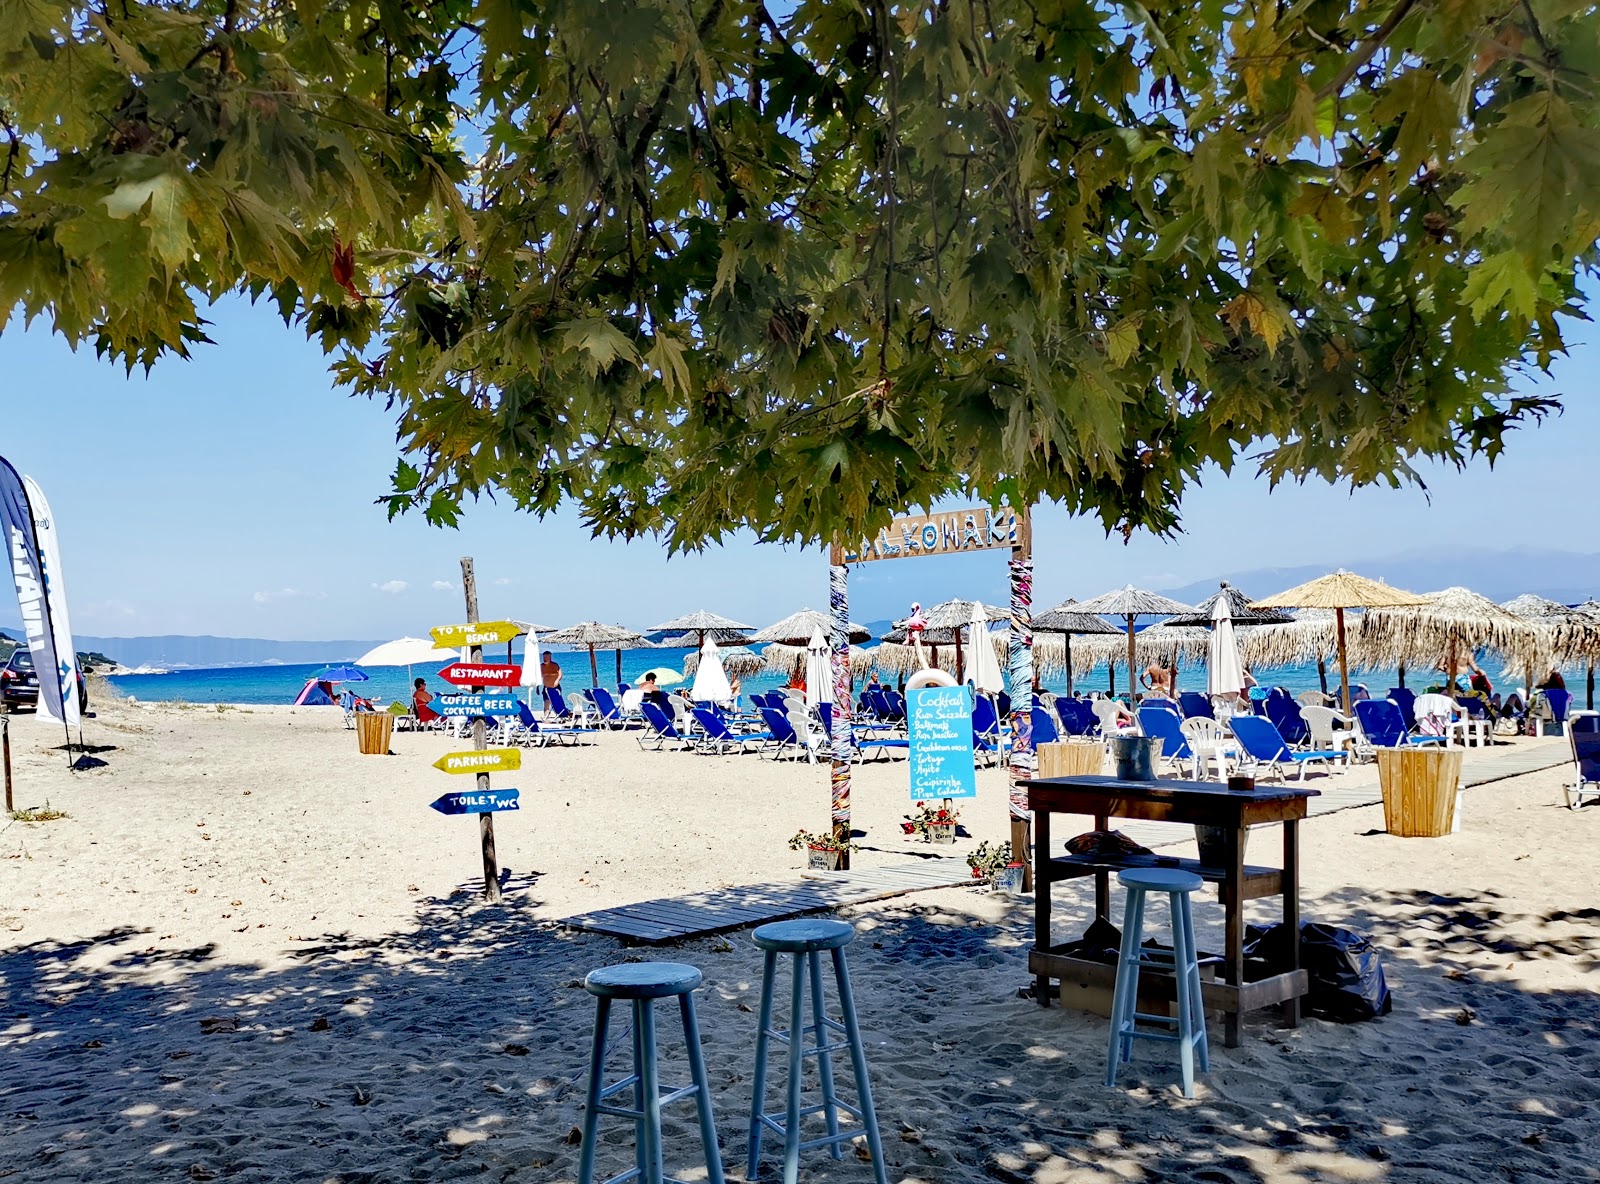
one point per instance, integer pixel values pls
(234, 494)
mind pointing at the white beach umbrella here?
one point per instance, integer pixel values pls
(1224, 670)
(405, 651)
(985, 671)
(819, 671)
(710, 679)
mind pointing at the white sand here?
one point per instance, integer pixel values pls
(253, 954)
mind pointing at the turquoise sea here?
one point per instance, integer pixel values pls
(280, 684)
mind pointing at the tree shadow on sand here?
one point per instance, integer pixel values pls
(458, 1048)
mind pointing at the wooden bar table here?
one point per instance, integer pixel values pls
(1197, 802)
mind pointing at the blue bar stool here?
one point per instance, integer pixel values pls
(805, 939)
(643, 983)
(1185, 964)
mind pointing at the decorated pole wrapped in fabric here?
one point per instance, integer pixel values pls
(1019, 666)
(843, 738)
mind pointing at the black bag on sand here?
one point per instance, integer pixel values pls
(1346, 974)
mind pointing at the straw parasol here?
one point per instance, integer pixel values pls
(596, 633)
(702, 623)
(738, 660)
(1578, 640)
(1239, 611)
(1129, 602)
(1066, 619)
(1339, 591)
(1308, 635)
(797, 628)
(1550, 615)
(1444, 623)
(789, 659)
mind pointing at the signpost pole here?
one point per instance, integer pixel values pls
(843, 738)
(5, 742)
(1019, 655)
(491, 864)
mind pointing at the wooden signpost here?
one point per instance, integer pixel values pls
(484, 802)
(490, 760)
(475, 634)
(464, 674)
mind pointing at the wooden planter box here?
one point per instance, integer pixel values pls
(373, 729)
(1072, 758)
(1419, 790)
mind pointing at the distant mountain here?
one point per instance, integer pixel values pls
(1568, 576)
(179, 651)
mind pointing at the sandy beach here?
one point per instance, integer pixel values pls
(250, 953)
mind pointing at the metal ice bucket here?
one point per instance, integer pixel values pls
(1136, 756)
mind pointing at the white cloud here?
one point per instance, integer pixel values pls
(504, 580)
(393, 587)
(270, 597)
(443, 586)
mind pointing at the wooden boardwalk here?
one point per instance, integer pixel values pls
(652, 922)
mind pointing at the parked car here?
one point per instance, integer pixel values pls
(19, 682)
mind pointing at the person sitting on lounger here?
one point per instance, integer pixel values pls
(420, 699)
(653, 693)
(1552, 681)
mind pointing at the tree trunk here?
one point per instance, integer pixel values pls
(1344, 663)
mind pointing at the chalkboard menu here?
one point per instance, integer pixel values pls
(939, 721)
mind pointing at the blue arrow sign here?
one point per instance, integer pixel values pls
(475, 705)
(483, 801)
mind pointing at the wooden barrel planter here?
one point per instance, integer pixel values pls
(1070, 758)
(1419, 790)
(373, 729)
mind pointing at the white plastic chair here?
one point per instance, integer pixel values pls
(1331, 730)
(1210, 740)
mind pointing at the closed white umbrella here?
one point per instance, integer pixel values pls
(985, 672)
(710, 679)
(532, 676)
(1224, 670)
(819, 671)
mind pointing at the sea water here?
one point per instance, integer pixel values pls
(282, 683)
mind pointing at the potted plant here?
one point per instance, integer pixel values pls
(936, 824)
(822, 851)
(988, 861)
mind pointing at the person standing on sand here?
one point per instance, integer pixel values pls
(549, 674)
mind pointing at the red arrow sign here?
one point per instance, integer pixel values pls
(465, 674)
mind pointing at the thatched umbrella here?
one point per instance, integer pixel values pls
(1339, 591)
(796, 630)
(1578, 640)
(703, 624)
(1444, 623)
(1550, 615)
(787, 659)
(1067, 619)
(1240, 611)
(595, 633)
(738, 660)
(1309, 635)
(947, 620)
(1130, 602)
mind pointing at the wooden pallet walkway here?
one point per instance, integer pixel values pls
(652, 922)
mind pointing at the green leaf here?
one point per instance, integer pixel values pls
(601, 340)
(1502, 283)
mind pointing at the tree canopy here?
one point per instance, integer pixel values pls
(700, 264)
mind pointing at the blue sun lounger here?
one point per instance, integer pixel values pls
(1263, 747)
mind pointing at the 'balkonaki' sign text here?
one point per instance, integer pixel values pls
(940, 534)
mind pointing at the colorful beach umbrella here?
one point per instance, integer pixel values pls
(341, 674)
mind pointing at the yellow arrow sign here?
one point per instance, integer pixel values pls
(487, 760)
(483, 633)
